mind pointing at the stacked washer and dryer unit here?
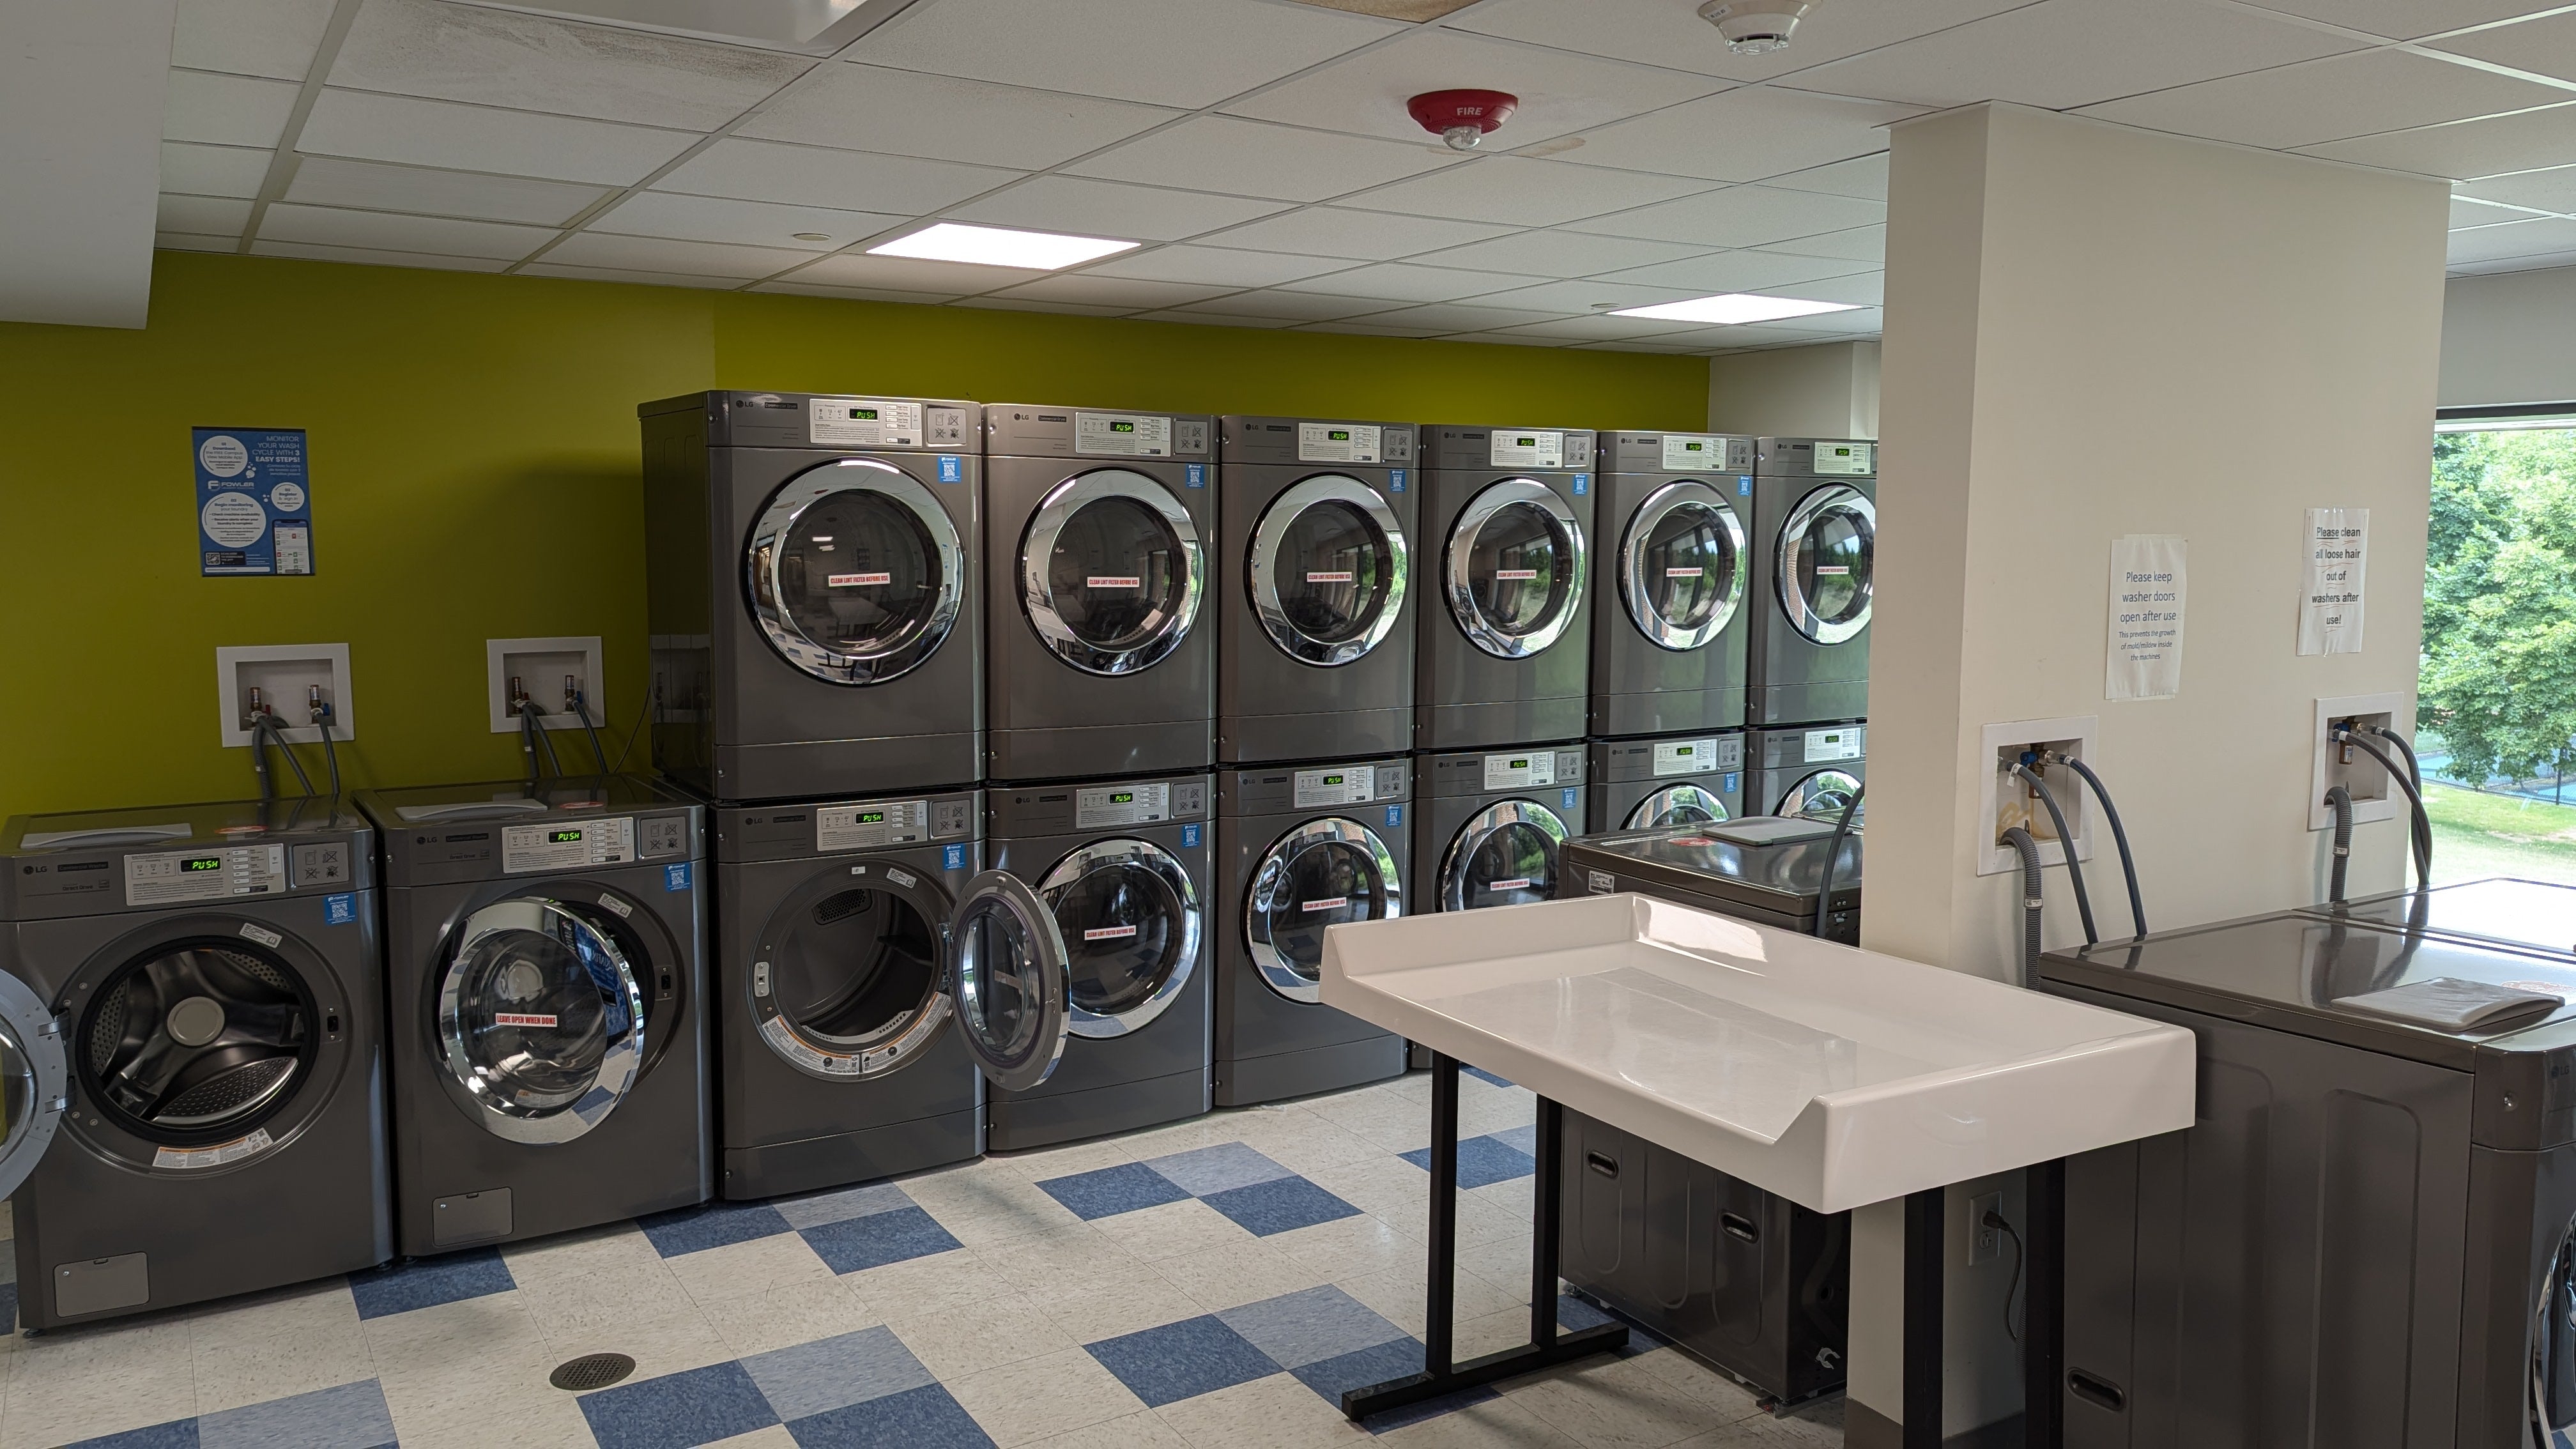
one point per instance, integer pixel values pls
(1815, 538)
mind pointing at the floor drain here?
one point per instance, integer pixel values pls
(591, 1371)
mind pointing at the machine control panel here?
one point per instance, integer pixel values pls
(564, 845)
(1049, 809)
(661, 835)
(1318, 440)
(169, 877)
(1041, 432)
(319, 865)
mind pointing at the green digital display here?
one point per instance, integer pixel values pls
(1520, 764)
(563, 837)
(1339, 435)
(1681, 751)
(1123, 797)
(871, 817)
(1529, 442)
(865, 415)
(1842, 452)
(1122, 427)
(203, 862)
(1694, 447)
(1332, 779)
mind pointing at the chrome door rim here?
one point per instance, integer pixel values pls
(1259, 896)
(1632, 564)
(761, 564)
(1038, 598)
(618, 1066)
(823, 1057)
(1110, 854)
(1479, 511)
(1653, 806)
(1802, 615)
(1829, 778)
(1000, 890)
(1263, 573)
(1479, 827)
(38, 1037)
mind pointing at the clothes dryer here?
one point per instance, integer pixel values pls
(1123, 868)
(1673, 780)
(1488, 825)
(1098, 662)
(1314, 587)
(1815, 541)
(1505, 650)
(1299, 849)
(191, 1055)
(1804, 770)
(1669, 655)
(812, 586)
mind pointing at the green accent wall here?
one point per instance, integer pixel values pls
(474, 457)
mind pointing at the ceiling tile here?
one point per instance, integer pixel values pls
(2515, 239)
(1599, 329)
(1462, 317)
(1516, 189)
(1122, 293)
(371, 127)
(1291, 306)
(908, 113)
(383, 231)
(750, 223)
(1187, 53)
(632, 278)
(1860, 244)
(908, 274)
(2546, 45)
(226, 110)
(1595, 294)
(1400, 282)
(1741, 216)
(367, 256)
(537, 63)
(2405, 19)
(1215, 319)
(844, 180)
(1738, 271)
(861, 294)
(1028, 304)
(1689, 349)
(2467, 213)
(1112, 208)
(1327, 231)
(2065, 53)
(2550, 190)
(203, 215)
(1717, 338)
(1560, 253)
(1255, 158)
(1559, 93)
(1866, 288)
(661, 254)
(375, 186)
(1862, 176)
(274, 38)
(2516, 264)
(212, 170)
(2324, 100)
(2521, 142)
(179, 241)
(1659, 32)
(1214, 266)
(1859, 322)
(1367, 327)
(1745, 135)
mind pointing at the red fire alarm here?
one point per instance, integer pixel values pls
(1461, 118)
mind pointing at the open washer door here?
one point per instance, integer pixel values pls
(1327, 570)
(1111, 571)
(855, 572)
(1675, 805)
(1009, 969)
(540, 1021)
(1323, 873)
(1827, 549)
(1515, 569)
(1504, 856)
(32, 1078)
(1681, 565)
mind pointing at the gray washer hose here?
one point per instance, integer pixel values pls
(2020, 840)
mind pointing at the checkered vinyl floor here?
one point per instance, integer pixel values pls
(1211, 1285)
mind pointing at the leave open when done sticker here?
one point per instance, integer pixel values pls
(1108, 933)
(521, 1018)
(857, 581)
(1690, 573)
(1516, 883)
(1515, 573)
(1337, 576)
(1824, 569)
(1113, 581)
(1328, 903)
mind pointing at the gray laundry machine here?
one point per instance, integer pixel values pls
(1489, 825)
(1504, 654)
(1098, 660)
(547, 1006)
(191, 1037)
(1815, 543)
(1122, 866)
(811, 581)
(1314, 589)
(1669, 780)
(1669, 635)
(1765, 869)
(1804, 770)
(1299, 848)
(2368, 1236)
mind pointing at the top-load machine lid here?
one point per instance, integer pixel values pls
(1515, 570)
(854, 571)
(1328, 569)
(2527, 915)
(1765, 863)
(1112, 571)
(1682, 565)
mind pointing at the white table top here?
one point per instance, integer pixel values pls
(1831, 1076)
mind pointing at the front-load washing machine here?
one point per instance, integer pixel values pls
(1299, 849)
(811, 582)
(191, 1055)
(1314, 586)
(1804, 770)
(1122, 868)
(1672, 780)
(546, 1004)
(1668, 637)
(1097, 660)
(1815, 539)
(1506, 644)
(1488, 825)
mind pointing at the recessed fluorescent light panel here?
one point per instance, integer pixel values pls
(994, 246)
(1733, 307)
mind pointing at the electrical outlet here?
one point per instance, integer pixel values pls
(542, 670)
(2006, 800)
(2374, 795)
(288, 679)
(1985, 1244)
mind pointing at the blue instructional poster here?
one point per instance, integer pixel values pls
(254, 501)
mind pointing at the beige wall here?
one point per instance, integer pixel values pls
(1826, 391)
(2507, 339)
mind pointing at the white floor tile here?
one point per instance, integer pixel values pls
(1035, 1398)
(1278, 1412)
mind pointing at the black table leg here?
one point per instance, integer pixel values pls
(1923, 1269)
(1547, 1347)
(2043, 1333)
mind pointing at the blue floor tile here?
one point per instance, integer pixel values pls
(1574, 1314)
(678, 1411)
(428, 1282)
(878, 1239)
(1480, 1074)
(8, 1307)
(1482, 1161)
(1358, 1369)
(1208, 1170)
(1279, 1205)
(710, 1225)
(1182, 1360)
(349, 1416)
(177, 1434)
(834, 1373)
(1521, 1139)
(1113, 1190)
(922, 1418)
(840, 1204)
(1297, 1329)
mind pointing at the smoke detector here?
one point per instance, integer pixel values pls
(1755, 27)
(1461, 118)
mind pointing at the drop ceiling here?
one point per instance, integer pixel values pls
(1259, 151)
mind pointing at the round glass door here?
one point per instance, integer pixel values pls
(1824, 793)
(1505, 856)
(1681, 565)
(1010, 981)
(850, 980)
(855, 572)
(1327, 570)
(2551, 1414)
(1111, 571)
(1515, 568)
(1676, 805)
(1322, 873)
(197, 1041)
(32, 1081)
(1130, 917)
(540, 1022)
(1826, 550)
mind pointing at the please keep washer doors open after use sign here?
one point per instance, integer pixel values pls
(254, 501)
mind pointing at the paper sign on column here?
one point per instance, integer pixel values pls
(2330, 597)
(2148, 586)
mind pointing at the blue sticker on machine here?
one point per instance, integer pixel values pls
(676, 877)
(340, 910)
(1189, 836)
(1734, 781)
(1582, 484)
(952, 468)
(1743, 485)
(1194, 474)
(953, 858)
(1394, 817)
(1567, 795)
(1395, 480)
(254, 501)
